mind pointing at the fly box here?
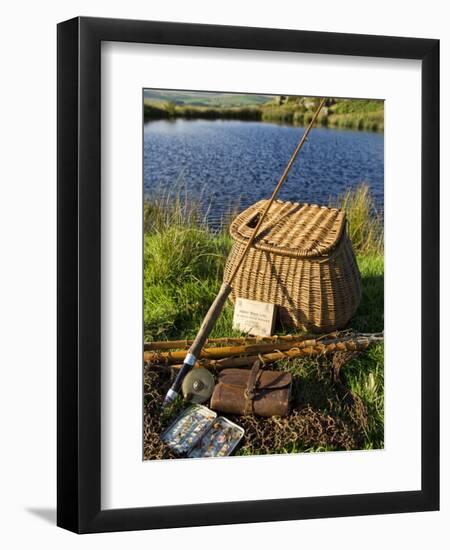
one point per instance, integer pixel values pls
(198, 432)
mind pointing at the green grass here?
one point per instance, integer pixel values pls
(356, 114)
(170, 110)
(371, 121)
(156, 110)
(183, 267)
(356, 106)
(182, 274)
(365, 225)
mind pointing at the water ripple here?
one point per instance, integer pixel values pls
(222, 164)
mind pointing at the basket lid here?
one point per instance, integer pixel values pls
(290, 228)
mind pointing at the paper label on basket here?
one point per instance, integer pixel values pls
(253, 317)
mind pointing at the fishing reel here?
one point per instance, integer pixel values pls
(198, 385)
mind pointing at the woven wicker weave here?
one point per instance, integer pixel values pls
(301, 260)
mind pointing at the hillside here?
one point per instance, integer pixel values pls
(205, 99)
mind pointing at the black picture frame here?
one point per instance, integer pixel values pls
(79, 281)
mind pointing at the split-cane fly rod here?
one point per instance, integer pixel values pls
(217, 306)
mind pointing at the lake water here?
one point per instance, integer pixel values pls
(231, 164)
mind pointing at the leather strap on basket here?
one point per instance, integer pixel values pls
(249, 392)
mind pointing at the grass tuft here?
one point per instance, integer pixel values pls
(365, 225)
(183, 267)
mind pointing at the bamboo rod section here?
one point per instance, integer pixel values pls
(310, 348)
(225, 351)
(239, 340)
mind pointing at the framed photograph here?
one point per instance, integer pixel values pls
(248, 259)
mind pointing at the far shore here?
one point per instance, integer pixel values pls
(360, 115)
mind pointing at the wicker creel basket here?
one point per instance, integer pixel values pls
(302, 261)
